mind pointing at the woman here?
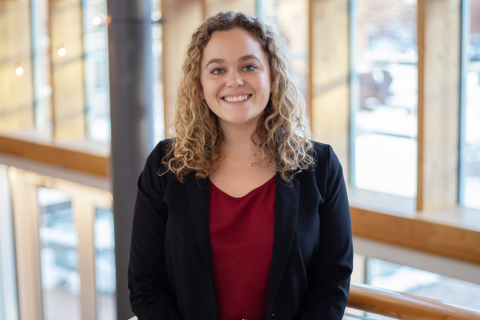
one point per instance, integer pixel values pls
(240, 216)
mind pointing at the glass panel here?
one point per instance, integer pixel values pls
(289, 19)
(97, 91)
(41, 65)
(157, 48)
(59, 257)
(384, 96)
(422, 283)
(470, 155)
(105, 264)
(8, 285)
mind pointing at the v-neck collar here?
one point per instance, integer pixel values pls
(246, 195)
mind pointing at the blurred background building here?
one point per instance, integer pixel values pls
(87, 89)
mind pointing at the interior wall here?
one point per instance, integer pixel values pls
(438, 103)
(181, 18)
(330, 71)
(16, 91)
(66, 31)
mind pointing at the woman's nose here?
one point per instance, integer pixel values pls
(234, 80)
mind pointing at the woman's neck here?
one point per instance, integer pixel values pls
(238, 140)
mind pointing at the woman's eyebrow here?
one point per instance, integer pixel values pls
(216, 60)
(241, 59)
(248, 57)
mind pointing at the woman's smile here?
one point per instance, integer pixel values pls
(236, 98)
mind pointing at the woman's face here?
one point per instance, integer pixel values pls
(235, 77)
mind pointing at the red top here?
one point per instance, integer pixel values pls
(241, 237)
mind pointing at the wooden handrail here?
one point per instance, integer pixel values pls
(56, 153)
(404, 306)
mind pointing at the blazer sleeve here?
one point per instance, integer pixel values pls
(329, 276)
(150, 297)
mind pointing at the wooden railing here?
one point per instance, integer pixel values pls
(403, 305)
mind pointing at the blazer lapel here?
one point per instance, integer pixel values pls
(198, 199)
(287, 197)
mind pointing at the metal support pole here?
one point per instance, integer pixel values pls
(131, 111)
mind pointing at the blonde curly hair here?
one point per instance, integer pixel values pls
(282, 130)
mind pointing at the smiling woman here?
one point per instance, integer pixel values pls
(240, 215)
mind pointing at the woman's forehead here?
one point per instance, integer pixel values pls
(232, 45)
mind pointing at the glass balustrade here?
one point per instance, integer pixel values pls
(105, 264)
(59, 257)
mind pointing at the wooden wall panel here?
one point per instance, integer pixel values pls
(181, 18)
(213, 7)
(438, 102)
(16, 93)
(329, 43)
(66, 30)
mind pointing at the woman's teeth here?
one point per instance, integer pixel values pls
(236, 99)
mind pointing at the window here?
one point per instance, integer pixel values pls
(97, 91)
(289, 19)
(57, 80)
(470, 106)
(384, 96)
(157, 50)
(41, 66)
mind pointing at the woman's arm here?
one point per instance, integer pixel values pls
(150, 297)
(329, 276)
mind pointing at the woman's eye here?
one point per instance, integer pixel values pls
(250, 68)
(217, 71)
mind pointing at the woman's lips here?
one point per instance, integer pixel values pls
(236, 98)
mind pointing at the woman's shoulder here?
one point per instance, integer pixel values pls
(324, 155)
(163, 145)
(154, 160)
(160, 150)
(321, 149)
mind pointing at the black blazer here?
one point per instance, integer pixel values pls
(170, 272)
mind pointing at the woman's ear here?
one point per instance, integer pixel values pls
(272, 84)
(202, 97)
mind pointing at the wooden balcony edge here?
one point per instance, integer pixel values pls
(55, 155)
(416, 233)
(403, 305)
